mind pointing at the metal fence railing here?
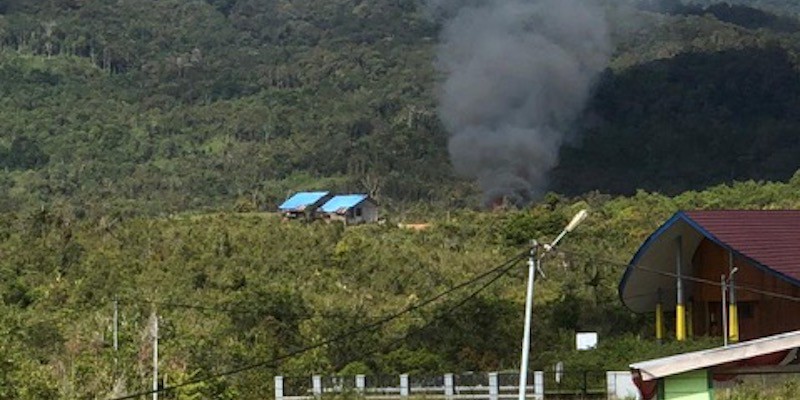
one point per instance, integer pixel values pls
(573, 384)
(566, 385)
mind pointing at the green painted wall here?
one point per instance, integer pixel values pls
(694, 385)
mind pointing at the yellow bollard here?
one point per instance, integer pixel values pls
(733, 323)
(680, 322)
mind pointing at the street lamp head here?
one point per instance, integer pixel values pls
(576, 220)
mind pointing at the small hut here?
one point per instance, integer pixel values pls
(351, 209)
(304, 204)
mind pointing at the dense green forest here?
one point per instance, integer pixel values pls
(775, 6)
(141, 143)
(163, 106)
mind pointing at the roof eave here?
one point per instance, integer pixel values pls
(673, 365)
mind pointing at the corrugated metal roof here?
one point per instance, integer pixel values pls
(343, 202)
(301, 200)
(769, 237)
(720, 356)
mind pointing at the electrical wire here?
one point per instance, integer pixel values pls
(500, 271)
(441, 314)
(242, 309)
(507, 265)
(685, 277)
(169, 304)
(222, 309)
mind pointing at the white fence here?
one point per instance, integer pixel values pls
(492, 386)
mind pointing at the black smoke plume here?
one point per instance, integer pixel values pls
(517, 74)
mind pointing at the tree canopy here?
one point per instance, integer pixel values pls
(163, 106)
(142, 141)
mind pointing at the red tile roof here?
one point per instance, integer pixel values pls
(768, 237)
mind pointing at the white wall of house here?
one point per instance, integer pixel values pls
(364, 212)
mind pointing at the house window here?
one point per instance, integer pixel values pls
(358, 211)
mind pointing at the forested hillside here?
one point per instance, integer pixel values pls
(707, 96)
(162, 106)
(243, 289)
(777, 6)
(141, 142)
(171, 105)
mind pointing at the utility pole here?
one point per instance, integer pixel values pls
(733, 309)
(116, 328)
(724, 311)
(154, 318)
(116, 336)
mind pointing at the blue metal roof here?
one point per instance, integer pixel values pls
(343, 202)
(301, 199)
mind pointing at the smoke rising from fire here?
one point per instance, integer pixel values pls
(517, 74)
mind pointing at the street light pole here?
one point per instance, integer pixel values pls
(534, 263)
(155, 353)
(533, 260)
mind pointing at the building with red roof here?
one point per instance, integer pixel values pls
(679, 273)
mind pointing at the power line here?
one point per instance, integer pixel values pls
(505, 266)
(235, 309)
(169, 304)
(440, 315)
(242, 308)
(685, 277)
(448, 311)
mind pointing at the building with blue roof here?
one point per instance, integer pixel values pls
(304, 204)
(351, 209)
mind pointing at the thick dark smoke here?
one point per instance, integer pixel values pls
(517, 75)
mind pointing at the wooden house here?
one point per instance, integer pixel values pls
(713, 272)
(304, 204)
(351, 209)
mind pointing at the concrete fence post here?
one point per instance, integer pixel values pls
(404, 385)
(538, 385)
(620, 385)
(361, 383)
(494, 387)
(278, 388)
(448, 386)
(316, 384)
(611, 385)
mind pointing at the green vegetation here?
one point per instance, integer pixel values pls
(697, 91)
(155, 107)
(235, 289)
(139, 141)
(775, 388)
(162, 106)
